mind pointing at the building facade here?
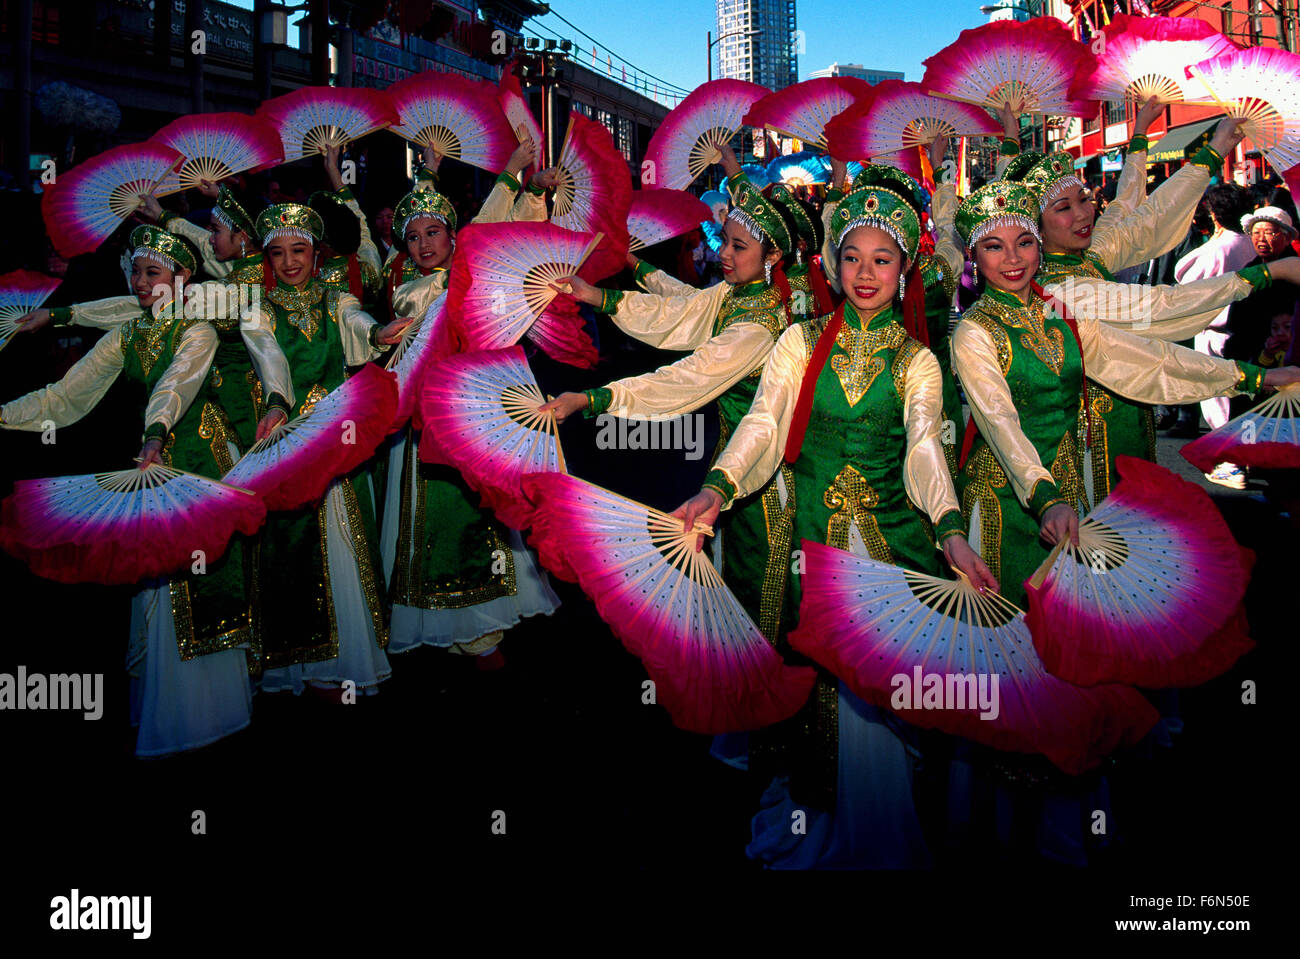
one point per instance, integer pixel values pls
(758, 42)
(856, 70)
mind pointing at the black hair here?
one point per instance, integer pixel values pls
(342, 229)
(1228, 203)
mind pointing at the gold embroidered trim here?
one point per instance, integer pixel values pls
(228, 634)
(1047, 345)
(303, 308)
(780, 536)
(314, 396)
(986, 476)
(365, 563)
(859, 365)
(1100, 402)
(997, 333)
(853, 501)
(902, 363)
(214, 427)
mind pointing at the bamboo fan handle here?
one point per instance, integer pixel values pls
(1209, 89)
(591, 248)
(1040, 574)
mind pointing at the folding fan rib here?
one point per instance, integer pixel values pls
(1267, 436)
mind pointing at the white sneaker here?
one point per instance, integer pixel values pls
(1229, 475)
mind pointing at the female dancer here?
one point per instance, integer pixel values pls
(457, 578)
(871, 451)
(731, 329)
(1022, 367)
(193, 638)
(326, 624)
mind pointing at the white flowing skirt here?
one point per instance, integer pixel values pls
(180, 704)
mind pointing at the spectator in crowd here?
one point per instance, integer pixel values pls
(383, 231)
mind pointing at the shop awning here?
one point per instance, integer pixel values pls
(1082, 162)
(1173, 145)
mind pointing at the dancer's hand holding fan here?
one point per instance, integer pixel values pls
(1028, 66)
(510, 95)
(87, 203)
(895, 637)
(1150, 596)
(713, 670)
(123, 527)
(1261, 85)
(295, 465)
(312, 119)
(218, 145)
(686, 142)
(21, 292)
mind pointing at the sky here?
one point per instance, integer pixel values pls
(667, 37)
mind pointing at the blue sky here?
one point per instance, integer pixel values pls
(667, 37)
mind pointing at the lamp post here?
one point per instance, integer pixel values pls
(708, 55)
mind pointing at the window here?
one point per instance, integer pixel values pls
(1116, 112)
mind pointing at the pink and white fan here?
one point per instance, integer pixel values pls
(501, 286)
(1263, 85)
(1145, 598)
(295, 465)
(1144, 57)
(802, 111)
(594, 191)
(458, 117)
(423, 344)
(310, 119)
(483, 409)
(1028, 65)
(22, 291)
(511, 97)
(712, 668)
(920, 646)
(1266, 436)
(217, 145)
(658, 215)
(901, 117)
(87, 203)
(686, 142)
(123, 527)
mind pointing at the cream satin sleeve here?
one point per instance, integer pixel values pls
(662, 284)
(925, 470)
(943, 210)
(975, 362)
(670, 322)
(830, 257)
(1130, 193)
(693, 380)
(498, 206)
(268, 358)
(1168, 312)
(72, 397)
(754, 452)
(530, 207)
(355, 325)
(201, 238)
(174, 393)
(1155, 227)
(414, 297)
(106, 313)
(1153, 371)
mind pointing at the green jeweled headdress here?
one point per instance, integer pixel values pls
(1045, 174)
(164, 248)
(883, 208)
(231, 215)
(422, 203)
(289, 219)
(891, 177)
(757, 214)
(803, 223)
(995, 205)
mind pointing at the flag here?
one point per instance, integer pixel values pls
(593, 54)
(609, 65)
(625, 73)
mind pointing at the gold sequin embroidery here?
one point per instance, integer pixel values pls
(853, 500)
(214, 427)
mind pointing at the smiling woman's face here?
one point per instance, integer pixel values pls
(149, 279)
(428, 242)
(871, 267)
(1067, 222)
(741, 255)
(1008, 259)
(291, 259)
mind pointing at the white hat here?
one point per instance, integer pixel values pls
(1268, 214)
